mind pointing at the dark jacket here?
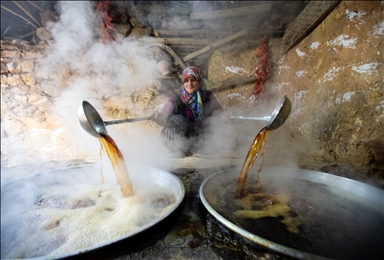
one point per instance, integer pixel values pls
(175, 106)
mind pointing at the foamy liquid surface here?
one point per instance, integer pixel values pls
(68, 219)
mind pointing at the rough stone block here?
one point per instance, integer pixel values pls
(8, 47)
(20, 90)
(10, 54)
(136, 22)
(31, 55)
(4, 68)
(11, 66)
(139, 32)
(12, 80)
(27, 66)
(37, 99)
(35, 48)
(119, 102)
(28, 79)
(43, 34)
(124, 29)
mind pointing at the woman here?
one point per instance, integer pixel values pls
(185, 115)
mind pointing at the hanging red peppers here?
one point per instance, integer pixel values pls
(106, 21)
(263, 69)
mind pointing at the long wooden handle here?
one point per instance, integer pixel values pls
(128, 120)
(266, 118)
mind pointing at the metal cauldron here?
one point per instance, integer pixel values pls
(367, 201)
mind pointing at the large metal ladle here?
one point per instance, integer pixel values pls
(278, 117)
(92, 123)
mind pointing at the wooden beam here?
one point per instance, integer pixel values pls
(215, 45)
(176, 41)
(158, 8)
(191, 32)
(183, 33)
(22, 6)
(305, 22)
(22, 17)
(233, 12)
(231, 83)
(185, 46)
(240, 46)
(35, 5)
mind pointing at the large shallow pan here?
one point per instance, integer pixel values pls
(19, 197)
(368, 197)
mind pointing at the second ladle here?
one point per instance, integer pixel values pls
(92, 123)
(278, 117)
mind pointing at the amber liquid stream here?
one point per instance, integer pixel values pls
(253, 153)
(101, 166)
(118, 164)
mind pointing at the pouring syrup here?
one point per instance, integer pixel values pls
(118, 164)
(101, 166)
(257, 145)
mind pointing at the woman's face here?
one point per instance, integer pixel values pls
(191, 84)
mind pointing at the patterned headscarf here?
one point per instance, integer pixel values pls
(193, 101)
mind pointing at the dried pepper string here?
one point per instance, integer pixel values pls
(262, 70)
(106, 21)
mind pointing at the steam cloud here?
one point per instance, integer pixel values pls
(93, 71)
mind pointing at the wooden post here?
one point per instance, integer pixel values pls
(233, 12)
(305, 22)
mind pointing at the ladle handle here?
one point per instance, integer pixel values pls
(266, 118)
(128, 120)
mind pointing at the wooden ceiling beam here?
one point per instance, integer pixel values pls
(232, 12)
(306, 22)
(176, 41)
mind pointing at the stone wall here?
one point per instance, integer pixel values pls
(25, 107)
(335, 77)
(39, 106)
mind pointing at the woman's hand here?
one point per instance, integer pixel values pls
(158, 118)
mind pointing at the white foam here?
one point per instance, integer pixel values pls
(51, 228)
